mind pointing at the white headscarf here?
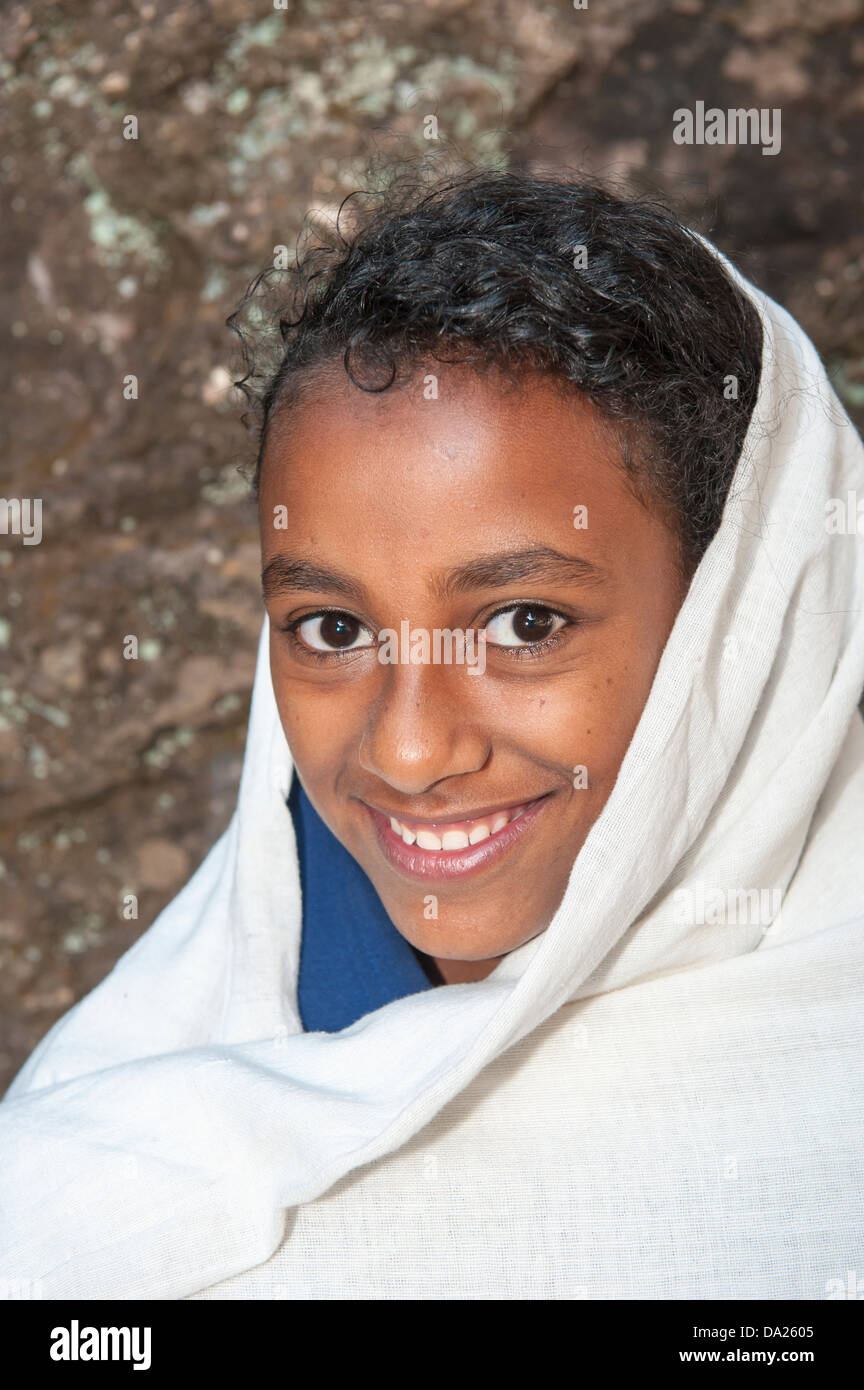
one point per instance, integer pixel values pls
(152, 1143)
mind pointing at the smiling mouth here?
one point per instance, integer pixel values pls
(452, 835)
(451, 848)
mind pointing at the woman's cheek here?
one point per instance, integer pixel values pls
(570, 725)
(303, 721)
(323, 731)
(589, 729)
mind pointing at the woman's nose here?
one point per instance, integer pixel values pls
(424, 727)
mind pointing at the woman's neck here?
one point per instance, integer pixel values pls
(460, 972)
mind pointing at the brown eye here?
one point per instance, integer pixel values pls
(329, 632)
(524, 623)
(337, 631)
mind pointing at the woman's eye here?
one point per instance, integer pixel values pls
(332, 632)
(525, 624)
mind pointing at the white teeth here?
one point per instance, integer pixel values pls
(426, 840)
(402, 830)
(455, 839)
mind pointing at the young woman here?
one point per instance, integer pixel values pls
(530, 965)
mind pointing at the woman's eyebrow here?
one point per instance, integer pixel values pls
(510, 566)
(286, 575)
(283, 574)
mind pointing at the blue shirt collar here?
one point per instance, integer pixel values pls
(352, 958)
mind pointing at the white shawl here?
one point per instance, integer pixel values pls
(648, 1100)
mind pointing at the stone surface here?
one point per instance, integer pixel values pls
(123, 258)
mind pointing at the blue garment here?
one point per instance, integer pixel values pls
(352, 958)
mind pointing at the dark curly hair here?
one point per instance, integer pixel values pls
(485, 268)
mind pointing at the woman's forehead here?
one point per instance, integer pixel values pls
(438, 484)
(432, 420)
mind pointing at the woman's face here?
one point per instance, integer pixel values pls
(489, 509)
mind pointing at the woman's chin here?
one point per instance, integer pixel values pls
(468, 942)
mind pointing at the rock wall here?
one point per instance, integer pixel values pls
(121, 259)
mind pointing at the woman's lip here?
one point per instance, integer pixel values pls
(445, 865)
(485, 813)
